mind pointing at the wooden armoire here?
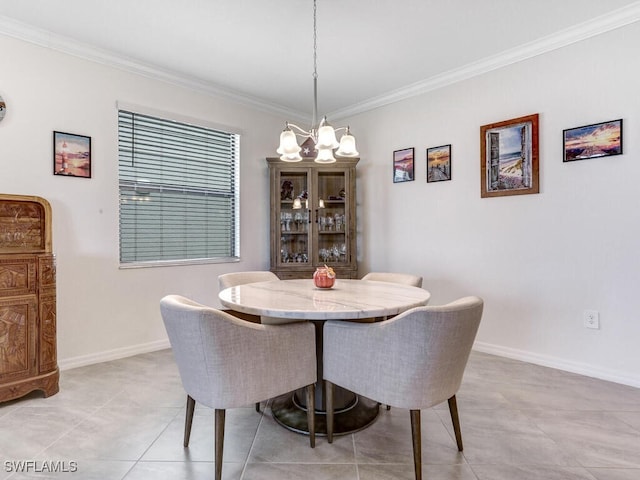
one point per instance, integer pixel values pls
(28, 358)
(313, 217)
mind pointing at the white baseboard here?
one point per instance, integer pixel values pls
(109, 355)
(559, 363)
(501, 351)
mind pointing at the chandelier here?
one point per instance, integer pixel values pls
(322, 135)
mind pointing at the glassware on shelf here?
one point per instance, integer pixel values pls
(285, 221)
(339, 221)
(335, 253)
(331, 223)
(343, 252)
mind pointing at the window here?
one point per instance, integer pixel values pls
(178, 192)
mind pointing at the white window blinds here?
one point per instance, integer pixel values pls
(178, 191)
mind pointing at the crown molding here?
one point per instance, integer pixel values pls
(64, 44)
(603, 24)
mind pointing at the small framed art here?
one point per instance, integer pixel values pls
(71, 155)
(509, 157)
(439, 163)
(403, 168)
(3, 108)
(592, 141)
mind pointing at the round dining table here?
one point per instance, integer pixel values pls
(281, 301)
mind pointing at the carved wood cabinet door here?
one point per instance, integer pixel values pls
(17, 338)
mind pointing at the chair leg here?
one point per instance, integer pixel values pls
(191, 405)
(311, 414)
(328, 390)
(417, 443)
(219, 441)
(257, 407)
(453, 409)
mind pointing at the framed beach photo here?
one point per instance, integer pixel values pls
(403, 168)
(439, 163)
(509, 157)
(71, 155)
(592, 141)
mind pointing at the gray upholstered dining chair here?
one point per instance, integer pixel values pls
(241, 278)
(415, 361)
(403, 278)
(233, 279)
(227, 280)
(225, 362)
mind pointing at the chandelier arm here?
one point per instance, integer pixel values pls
(301, 132)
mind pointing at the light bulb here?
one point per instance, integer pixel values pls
(327, 138)
(325, 155)
(294, 157)
(289, 146)
(347, 146)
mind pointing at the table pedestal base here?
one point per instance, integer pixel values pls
(289, 413)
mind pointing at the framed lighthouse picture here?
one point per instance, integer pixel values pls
(71, 155)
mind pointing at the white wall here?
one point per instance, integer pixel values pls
(104, 312)
(537, 260)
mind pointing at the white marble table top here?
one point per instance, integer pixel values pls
(300, 299)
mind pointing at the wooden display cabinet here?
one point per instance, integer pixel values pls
(28, 358)
(321, 228)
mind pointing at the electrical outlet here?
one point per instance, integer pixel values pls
(591, 319)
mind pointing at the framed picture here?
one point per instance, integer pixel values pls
(439, 163)
(403, 165)
(509, 157)
(71, 155)
(592, 141)
(3, 108)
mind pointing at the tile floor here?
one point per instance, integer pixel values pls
(124, 420)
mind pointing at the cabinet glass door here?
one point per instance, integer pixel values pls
(294, 217)
(332, 219)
